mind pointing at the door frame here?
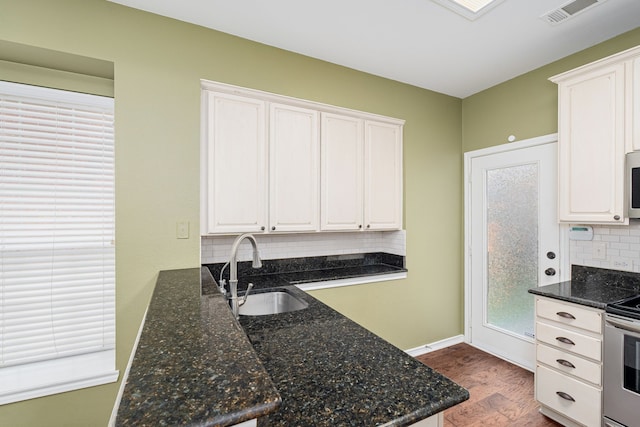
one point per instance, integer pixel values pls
(564, 273)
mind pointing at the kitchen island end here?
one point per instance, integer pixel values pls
(195, 365)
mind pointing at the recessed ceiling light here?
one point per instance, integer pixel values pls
(470, 9)
(473, 5)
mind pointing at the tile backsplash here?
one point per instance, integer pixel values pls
(215, 249)
(621, 246)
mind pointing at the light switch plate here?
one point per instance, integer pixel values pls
(182, 229)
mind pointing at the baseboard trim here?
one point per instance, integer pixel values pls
(427, 348)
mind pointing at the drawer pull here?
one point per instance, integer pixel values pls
(566, 315)
(565, 396)
(565, 363)
(565, 340)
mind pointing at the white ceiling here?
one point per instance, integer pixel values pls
(413, 41)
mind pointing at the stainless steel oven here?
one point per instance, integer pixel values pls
(621, 388)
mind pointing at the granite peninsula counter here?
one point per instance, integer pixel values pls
(195, 365)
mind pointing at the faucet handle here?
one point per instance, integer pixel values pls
(221, 288)
(246, 294)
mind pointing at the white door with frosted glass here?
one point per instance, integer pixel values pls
(512, 237)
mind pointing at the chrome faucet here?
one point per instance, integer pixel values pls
(233, 271)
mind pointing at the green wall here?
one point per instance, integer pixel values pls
(157, 66)
(527, 106)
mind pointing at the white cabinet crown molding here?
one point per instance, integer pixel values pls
(586, 68)
(297, 102)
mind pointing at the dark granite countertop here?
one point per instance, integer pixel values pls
(593, 287)
(298, 271)
(332, 372)
(195, 366)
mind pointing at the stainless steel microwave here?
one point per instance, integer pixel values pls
(633, 183)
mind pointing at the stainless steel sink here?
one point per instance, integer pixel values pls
(275, 302)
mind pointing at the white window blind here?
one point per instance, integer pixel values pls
(57, 252)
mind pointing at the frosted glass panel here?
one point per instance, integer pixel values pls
(512, 239)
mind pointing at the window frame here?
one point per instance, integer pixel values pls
(67, 371)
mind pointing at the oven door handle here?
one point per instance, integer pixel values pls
(624, 324)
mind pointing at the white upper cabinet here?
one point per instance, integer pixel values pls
(383, 176)
(361, 174)
(234, 164)
(595, 124)
(592, 146)
(294, 159)
(275, 164)
(634, 113)
(341, 171)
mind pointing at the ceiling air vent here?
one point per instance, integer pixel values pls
(569, 10)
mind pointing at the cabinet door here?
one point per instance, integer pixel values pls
(635, 108)
(341, 163)
(294, 169)
(382, 176)
(592, 146)
(570, 397)
(236, 184)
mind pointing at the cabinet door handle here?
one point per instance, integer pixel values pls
(565, 363)
(262, 228)
(273, 228)
(566, 315)
(565, 396)
(565, 340)
(616, 217)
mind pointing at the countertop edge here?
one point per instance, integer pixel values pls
(177, 376)
(352, 281)
(574, 300)
(592, 287)
(158, 388)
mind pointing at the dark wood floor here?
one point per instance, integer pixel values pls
(501, 394)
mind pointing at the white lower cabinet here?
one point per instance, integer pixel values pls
(436, 420)
(250, 423)
(569, 363)
(568, 396)
(568, 378)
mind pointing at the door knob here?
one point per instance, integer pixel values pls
(550, 272)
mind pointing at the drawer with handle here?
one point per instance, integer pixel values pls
(569, 363)
(570, 314)
(569, 340)
(569, 396)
